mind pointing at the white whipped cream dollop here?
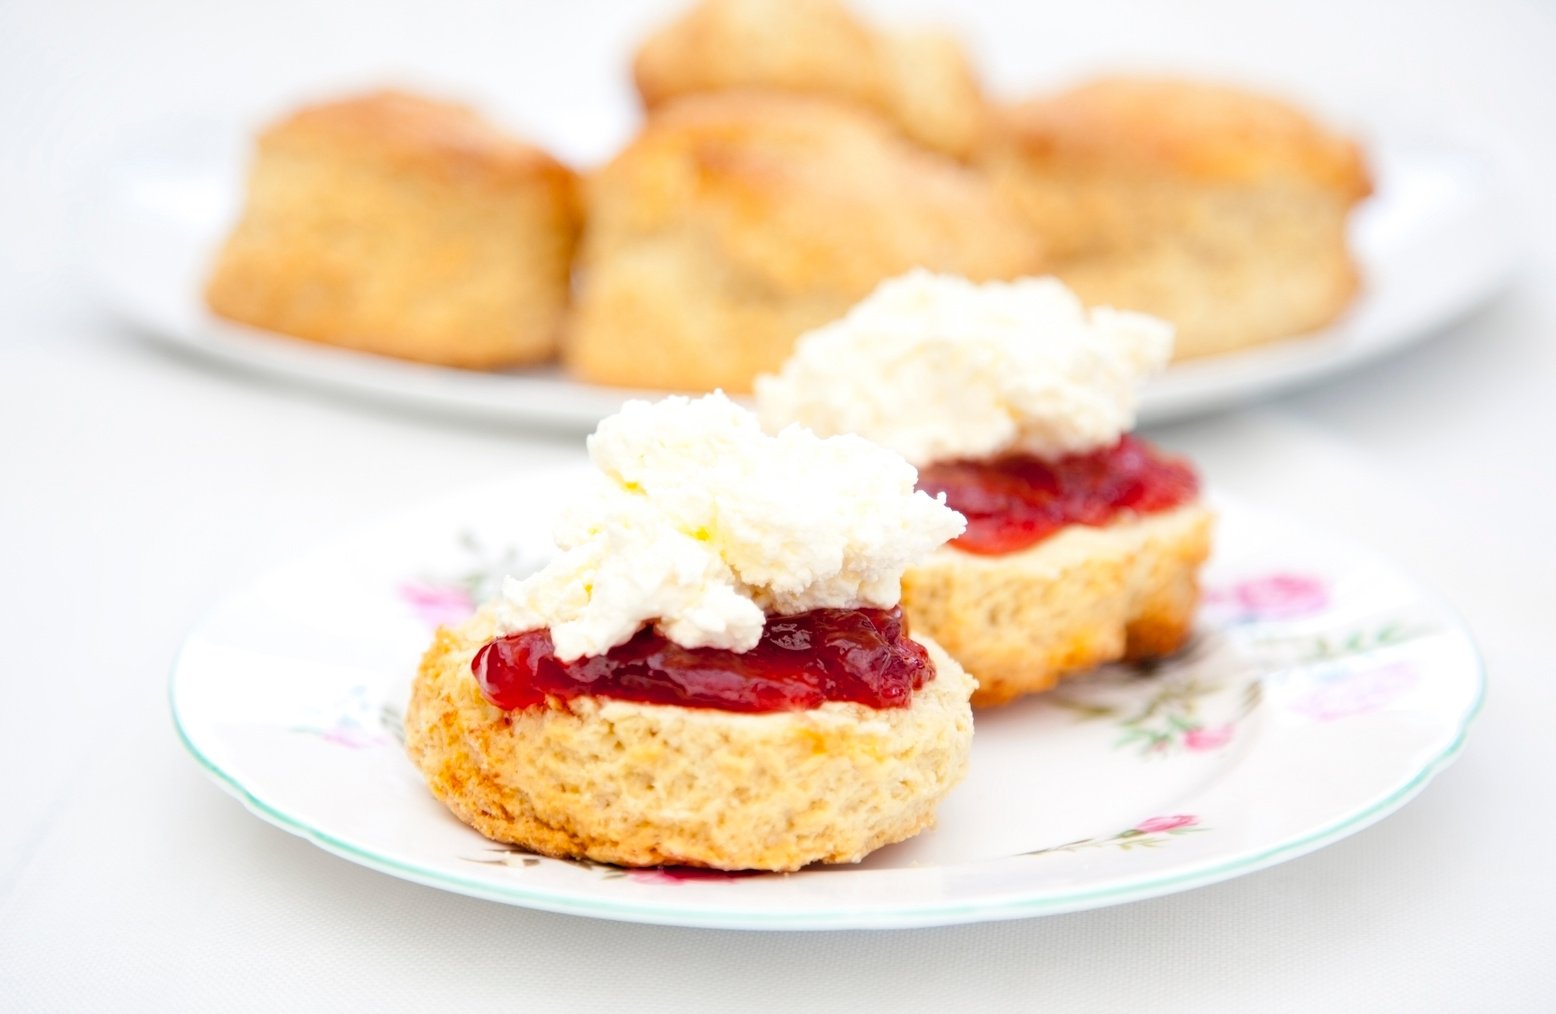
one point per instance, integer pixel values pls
(936, 367)
(701, 524)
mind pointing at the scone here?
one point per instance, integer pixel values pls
(1217, 209)
(736, 221)
(715, 671)
(1083, 543)
(920, 80)
(406, 227)
(1086, 595)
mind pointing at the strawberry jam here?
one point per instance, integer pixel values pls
(1016, 501)
(801, 662)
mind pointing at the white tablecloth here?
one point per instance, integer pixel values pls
(137, 486)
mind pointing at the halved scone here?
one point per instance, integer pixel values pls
(715, 670)
(1015, 401)
(650, 784)
(1079, 598)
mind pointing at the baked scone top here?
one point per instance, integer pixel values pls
(1206, 132)
(921, 79)
(803, 45)
(443, 138)
(805, 194)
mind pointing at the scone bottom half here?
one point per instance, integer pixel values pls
(638, 784)
(1086, 596)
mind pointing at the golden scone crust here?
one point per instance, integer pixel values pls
(1222, 210)
(1198, 130)
(643, 785)
(1022, 621)
(922, 81)
(736, 221)
(936, 98)
(403, 226)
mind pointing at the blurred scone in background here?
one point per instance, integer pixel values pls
(920, 79)
(738, 220)
(1221, 210)
(404, 226)
(791, 155)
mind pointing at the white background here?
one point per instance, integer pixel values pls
(137, 486)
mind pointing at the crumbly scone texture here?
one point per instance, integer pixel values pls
(736, 221)
(1221, 210)
(644, 785)
(403, 226)
(1020, 622)
(920, 80)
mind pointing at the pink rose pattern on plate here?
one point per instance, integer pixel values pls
(1168, 707)
(1277, 596)
(449, 598)
(1169, 719)
(437, 605)
(1151, 825)
(1213, 738)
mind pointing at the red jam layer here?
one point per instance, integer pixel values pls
(1017, 501)
(801, 662)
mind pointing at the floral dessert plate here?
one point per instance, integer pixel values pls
(1321, 692)
(1434, 242)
